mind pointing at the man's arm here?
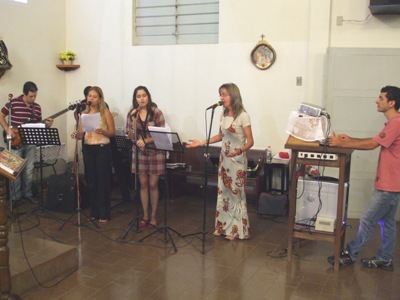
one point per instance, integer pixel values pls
(3, 121)
(345, 141)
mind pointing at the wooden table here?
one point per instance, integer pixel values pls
(342, 162)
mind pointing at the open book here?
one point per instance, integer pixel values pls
(11, 165)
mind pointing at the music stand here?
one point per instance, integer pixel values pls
(164, 141)
(39, 137)
(123, 142)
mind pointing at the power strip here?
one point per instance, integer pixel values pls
(316, 155)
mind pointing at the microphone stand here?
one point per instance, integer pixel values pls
(78, 210)
(11, 186)
(205, 186)
(136, 220)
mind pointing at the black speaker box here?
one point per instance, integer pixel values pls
(61, 193)
(273, 204)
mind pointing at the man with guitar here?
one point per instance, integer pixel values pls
(22, 110)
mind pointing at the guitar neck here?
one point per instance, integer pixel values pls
(56, 115)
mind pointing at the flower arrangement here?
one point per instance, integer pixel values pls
(67, 55)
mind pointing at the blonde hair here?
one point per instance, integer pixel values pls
(102, 104)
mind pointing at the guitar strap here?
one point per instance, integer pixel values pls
(32, 114)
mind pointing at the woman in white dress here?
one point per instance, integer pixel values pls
(235, 132)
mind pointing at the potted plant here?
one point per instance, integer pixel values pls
(67, 57)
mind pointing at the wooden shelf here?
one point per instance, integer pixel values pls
(68, 67)
(3, 69)
(343, 163)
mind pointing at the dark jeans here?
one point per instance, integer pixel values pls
(97, 160)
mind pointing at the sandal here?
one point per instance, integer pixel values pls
(143, 223)
(103, 220)
(230, 237)
(216, 233)
(152, 225)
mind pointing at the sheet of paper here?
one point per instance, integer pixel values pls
(90, 122)
(33, 125)
(162, 138)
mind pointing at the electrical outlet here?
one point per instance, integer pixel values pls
(299, 81)
(339, 21)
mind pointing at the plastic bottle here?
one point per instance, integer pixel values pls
(268, 155)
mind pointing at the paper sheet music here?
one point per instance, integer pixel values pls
(162, 138)
(90, 122)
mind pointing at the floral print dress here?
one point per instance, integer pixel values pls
(231, 213)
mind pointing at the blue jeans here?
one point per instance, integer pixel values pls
(22, 187)
(382, 211)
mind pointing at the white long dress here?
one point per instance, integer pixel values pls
(231, 213)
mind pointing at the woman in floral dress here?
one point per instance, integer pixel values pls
(231, 218)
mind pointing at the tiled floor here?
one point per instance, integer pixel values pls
(115, 268)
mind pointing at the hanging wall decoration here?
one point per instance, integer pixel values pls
(263, 55)
(5, 63)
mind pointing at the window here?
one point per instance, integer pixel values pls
(168, 22)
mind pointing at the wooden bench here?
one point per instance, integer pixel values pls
(190, 180)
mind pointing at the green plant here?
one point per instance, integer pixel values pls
(67, 55)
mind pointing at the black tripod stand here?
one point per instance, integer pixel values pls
(134, 223)
(78, 211)
(39, 137)
(164, 141)
(205, 188)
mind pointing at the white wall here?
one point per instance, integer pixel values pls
(184, 79)
(34, 34)
(360, 29)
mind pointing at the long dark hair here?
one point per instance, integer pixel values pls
(151, 106)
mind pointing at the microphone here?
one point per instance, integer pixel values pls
(136, 112)
(219, 103)
(10, 96)
(88, 103)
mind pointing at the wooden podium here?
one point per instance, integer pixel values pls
(342, 162)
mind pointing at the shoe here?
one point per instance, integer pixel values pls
(103, 220)
(344, 258)
(374, 262)
(31, 200)
(143, 223)
(152, 225)
(15, 203)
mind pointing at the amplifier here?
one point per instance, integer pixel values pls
(316, 155)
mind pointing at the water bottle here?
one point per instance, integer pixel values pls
(268, 155)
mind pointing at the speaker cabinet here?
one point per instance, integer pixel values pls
(61, 193)
(272, 204)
